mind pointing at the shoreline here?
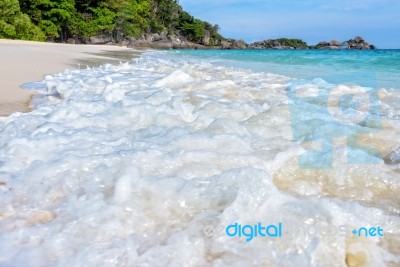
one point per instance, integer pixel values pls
(29, 61)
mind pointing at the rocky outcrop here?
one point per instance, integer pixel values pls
(163, 41)
(328, 45)
(239, 44)
(393, 157)
(357, 43)
(71, 41)
(206, 38)
(334, 43)
(97, 40)
(226, 44)
(232, 44)
(282, 43)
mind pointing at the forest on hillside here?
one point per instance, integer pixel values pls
(58, 20)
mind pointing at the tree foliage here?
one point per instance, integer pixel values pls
(15, 24)
(62, 19)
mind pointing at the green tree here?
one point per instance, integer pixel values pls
(15, 24)
(132, 19)
(194, 30)
(61, 19)
(52, 16)
(164, 15)
(101, 22)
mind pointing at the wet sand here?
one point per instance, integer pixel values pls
(25, 61)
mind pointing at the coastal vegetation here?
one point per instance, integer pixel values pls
(357, 43)
(15, 24)
(160, 24)
(60, 20)
(281, 43)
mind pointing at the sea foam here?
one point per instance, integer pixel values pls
(127, 165)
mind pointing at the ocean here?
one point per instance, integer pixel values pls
(207, 158)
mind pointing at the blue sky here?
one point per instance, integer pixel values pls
(378, 21)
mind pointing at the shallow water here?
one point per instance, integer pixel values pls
(147, 163)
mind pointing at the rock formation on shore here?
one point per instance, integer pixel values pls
(357, 43)
(166, 40)
(284, 43)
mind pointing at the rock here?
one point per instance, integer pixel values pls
(357, 43)
(359, 40)
(71, 41)
(125, 42)
(163, 41)
(148, 37)
(131, 39)
(178, 44)
(161, 45)
(206, 38)
(393, 157)
(192, 45)
(100, 39)
(182, 45)
(156, 37)
(358, 46)
(239, 44)
(334, 43)
(344, 45)
(226, 44)
(139, 43)
(164, 34)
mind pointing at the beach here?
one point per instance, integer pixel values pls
(205, 158)
(26, 61)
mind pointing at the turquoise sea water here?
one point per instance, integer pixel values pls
(376, 68)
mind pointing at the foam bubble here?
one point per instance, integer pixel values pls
(126, 165)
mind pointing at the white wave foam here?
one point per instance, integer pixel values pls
(127, 165)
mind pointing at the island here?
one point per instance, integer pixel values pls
(156, 24)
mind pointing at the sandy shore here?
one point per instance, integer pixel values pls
(24, 61)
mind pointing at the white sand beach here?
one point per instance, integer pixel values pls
(26, 61)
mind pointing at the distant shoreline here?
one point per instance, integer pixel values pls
(28, 61)
(166, 41)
